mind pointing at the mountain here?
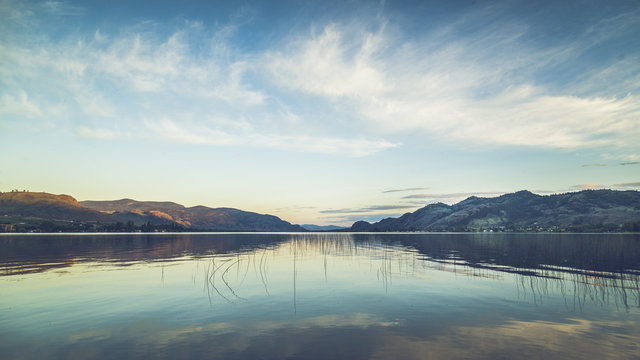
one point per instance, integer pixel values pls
(47, 206)
(196, 217)
(588, 210)
(139, 212)
(312, 227)
(39, 211)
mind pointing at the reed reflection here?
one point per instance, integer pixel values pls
(25, 254)
(582, 268)
(320, 295)
(415, 257)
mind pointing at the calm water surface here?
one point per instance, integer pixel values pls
(354, 296)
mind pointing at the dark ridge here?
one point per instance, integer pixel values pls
(587, 210)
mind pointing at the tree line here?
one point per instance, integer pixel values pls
(48, 226)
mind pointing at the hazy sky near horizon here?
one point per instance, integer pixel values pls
(319, 112)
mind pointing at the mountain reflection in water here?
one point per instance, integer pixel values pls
(320, 295)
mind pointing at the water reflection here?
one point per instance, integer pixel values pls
(320, 295)
(599, 268)
(22, 254)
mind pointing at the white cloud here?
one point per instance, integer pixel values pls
(202, 133)
(621, 186)
(632, 185)
(174, 93)
(61, 8)
(14, 13)
(165, 128)
(328, 65)
(18, 105)
(324, 145)
(551, 121)
(146, 66)
(94, 104)
(588, 186)
(479, 89)
(193, 86)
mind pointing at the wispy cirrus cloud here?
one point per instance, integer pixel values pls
(405, 190)
(479, 88)
(588, 186)
(19, 105)
(99, 133)
(203, 133)
(544, 192)
(622, 164)
(367, 209)
(628, 185)
(619, 186)
(350, 219)
(451, 197)
(304, 92)
(61, 8)
(164, 91)
(371, 213)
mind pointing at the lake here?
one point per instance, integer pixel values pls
(320, 296)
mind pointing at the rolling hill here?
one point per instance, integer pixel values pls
(588, 210)
(596, 210)
(196, 217)
(47, 206)
(38, 207)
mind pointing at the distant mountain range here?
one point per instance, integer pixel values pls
(312, 227)
(196, 217)
(588, 210)
(36, 210)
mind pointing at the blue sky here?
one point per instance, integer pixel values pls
(318, 111)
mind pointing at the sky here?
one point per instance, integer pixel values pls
(322, 112)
